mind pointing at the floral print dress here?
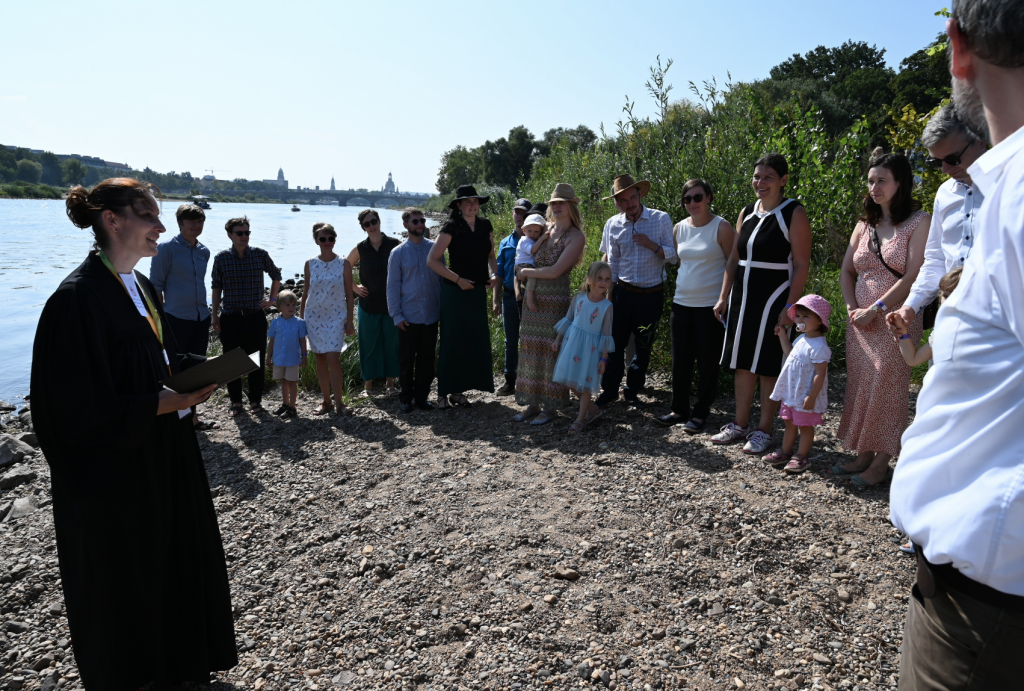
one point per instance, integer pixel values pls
(587, 331)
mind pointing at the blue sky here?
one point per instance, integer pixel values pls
(358, 89)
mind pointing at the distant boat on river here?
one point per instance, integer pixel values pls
(295, 207)
(201, 202)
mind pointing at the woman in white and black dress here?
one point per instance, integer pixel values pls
(765, 275)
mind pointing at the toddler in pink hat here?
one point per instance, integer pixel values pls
(802, 386)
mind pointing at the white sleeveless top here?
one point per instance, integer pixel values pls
(701, 263)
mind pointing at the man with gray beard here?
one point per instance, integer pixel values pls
(958, 491)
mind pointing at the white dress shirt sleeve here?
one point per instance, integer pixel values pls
(666, 238)
(926, 285)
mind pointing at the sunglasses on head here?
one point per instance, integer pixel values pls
(372, 222)
(952, 159)
(693, 199)
(417, 221)
(326, 238)
(240, 233)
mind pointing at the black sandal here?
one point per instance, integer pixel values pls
(670, 419)
(281, 410)
(205, 426)
(443, 403)
(235, 410)
(462, 401)
(290, 411)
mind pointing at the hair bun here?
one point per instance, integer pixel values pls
(79, 210)
(878, 151)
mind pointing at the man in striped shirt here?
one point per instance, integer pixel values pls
(238, 304)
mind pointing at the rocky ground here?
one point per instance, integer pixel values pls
(461, 550)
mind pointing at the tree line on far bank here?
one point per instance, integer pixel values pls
(824, 110)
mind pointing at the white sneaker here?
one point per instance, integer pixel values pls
(758, 442)
(730, 434)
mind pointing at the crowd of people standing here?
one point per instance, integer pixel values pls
(739, 302)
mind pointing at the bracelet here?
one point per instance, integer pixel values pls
(604, 359)
(457, 278)
(881, 304)
(788, 305)
(903, 337)
(271, 299)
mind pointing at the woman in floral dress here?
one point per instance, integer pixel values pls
(885, 253)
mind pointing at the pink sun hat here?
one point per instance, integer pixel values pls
(815, 303)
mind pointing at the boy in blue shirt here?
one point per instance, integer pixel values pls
(287, 350)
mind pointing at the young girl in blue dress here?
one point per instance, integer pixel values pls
(584, 341)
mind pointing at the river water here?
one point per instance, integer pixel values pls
(39, 247)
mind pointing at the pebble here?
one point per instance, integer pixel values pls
(551, 599)
(527, 606)
(844, 595)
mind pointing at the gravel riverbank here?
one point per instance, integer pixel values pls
(460, 550)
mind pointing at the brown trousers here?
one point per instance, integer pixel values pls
(952, 642)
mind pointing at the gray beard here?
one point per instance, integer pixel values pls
(970, 110)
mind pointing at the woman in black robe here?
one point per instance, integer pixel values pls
(141, 560)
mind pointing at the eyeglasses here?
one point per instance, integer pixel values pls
(693, 199)
(326, 238)
(374, 222)
(240, 233)
(417, 221)
(952, 159)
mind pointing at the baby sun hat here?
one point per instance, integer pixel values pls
(815, 303)
(534, 220)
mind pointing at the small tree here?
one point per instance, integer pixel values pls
(74, 171)
(30, 171)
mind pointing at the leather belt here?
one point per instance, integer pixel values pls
(636, 289)
(931, 576)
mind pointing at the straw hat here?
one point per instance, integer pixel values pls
(626, 182)
(466, 192)
(564, 193)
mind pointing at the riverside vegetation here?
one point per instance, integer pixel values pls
(824, 111)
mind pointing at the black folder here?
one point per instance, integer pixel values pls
(216, 370)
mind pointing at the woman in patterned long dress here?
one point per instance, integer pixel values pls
(327, 309)
(875, 412)
(554, 264)
(764, 275)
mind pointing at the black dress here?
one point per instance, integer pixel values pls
(373, 273)
(760, 290)
(140, 552)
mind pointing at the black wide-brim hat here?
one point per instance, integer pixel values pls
(466, 192)
(539, 208)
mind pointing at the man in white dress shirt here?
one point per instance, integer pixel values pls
(958, 491)
(953, 148)
(638, 242)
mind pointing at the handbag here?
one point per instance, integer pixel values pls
(876, 249)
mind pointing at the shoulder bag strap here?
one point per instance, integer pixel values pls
(876, 249)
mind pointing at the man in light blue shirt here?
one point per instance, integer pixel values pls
(414, 302)
(178, 272)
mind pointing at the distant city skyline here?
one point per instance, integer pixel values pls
(281, 90)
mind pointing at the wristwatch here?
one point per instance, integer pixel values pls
(878, 307)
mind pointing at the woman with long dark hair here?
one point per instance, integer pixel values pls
(141, 560)
(885, 253)
(764, 277)
(464, 362)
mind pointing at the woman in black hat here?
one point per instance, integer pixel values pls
(465, 357)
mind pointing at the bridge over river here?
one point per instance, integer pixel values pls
(342, 197)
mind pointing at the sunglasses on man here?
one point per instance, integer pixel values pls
(417, 221)
(693, 199)
(371, 222)
(326, 238)
(952, 159)
(240, 233)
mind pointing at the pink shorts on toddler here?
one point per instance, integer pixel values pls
(800, 418)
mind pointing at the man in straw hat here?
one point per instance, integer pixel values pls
(638, 242)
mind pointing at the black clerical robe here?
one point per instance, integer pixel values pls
(141, 560)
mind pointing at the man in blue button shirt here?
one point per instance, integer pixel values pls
(507, 306)
(414, 302)
(178, 272)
